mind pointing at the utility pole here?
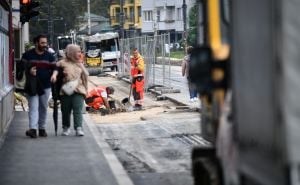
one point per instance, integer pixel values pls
(155, 30)
(89, 17)
(50, 23)
(184, 6)
(24, 36)
(122, 18)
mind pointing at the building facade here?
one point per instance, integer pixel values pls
(6, 69)
(165, 16)
(130, 19)
(145, 17)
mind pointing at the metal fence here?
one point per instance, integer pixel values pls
(156, 53)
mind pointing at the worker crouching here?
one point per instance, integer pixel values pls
(98, 97)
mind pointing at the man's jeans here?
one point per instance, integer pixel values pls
(38, 110)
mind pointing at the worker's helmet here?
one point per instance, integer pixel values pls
(110, 90)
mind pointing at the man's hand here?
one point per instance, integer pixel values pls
(33, 71)
(54, 77)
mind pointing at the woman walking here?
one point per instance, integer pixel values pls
(72, 96)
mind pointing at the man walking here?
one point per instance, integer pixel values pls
(39, 66)
(137, 74)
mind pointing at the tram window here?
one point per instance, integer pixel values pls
(225, 10)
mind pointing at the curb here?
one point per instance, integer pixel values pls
(167, 97)
(115, 165)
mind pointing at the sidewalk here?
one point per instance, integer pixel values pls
(58, 160)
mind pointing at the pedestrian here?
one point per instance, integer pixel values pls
(185, 72)
(73, 71)
(137, 74)
(98, 97)
(82, 56)
(39, 65)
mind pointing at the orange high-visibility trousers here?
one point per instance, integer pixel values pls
(138, 89)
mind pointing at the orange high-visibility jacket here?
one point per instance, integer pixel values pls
(96, 92)
(137, 66)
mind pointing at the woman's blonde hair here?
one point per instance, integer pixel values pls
(71, 52)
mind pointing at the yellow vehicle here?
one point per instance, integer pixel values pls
(101, 51)
(247, 70)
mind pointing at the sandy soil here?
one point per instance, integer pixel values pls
(133, 116)
(152, 108)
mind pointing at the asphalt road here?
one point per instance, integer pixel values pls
(153, 145)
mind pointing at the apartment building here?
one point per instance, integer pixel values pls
(144, 17)
(132, 16)
(165, 16)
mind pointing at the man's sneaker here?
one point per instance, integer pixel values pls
(42, 133)
(79, 131)
(65, 132)
(31, 133)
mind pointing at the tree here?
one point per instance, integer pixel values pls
(100, 7)
(68, 10)
(192, 32)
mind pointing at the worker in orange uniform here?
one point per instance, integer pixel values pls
(137, 74)
(98, 97)
(82, 57)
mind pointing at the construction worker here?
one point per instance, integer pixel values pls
(98, 97)
(137, 74)
(82, 56)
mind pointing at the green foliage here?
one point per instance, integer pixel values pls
(192, 32)
(28, 46)
(179, 54)
(69, 10)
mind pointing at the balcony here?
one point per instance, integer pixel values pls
(129, 1)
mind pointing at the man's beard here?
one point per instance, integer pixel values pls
(42, 48)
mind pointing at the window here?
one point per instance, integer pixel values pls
(170, 13)
(158, 15)
(117, 14)
(117, 11)
(131, 15)
(179, 14)
(139, 11)
(125, 13)
(4, 49)
(148, 16)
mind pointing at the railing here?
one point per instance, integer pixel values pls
(151, 48)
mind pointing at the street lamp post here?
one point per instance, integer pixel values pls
(89, 17)
(184, 6)
(122, 18)
(50, 23)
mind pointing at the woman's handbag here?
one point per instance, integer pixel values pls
(69, 87)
